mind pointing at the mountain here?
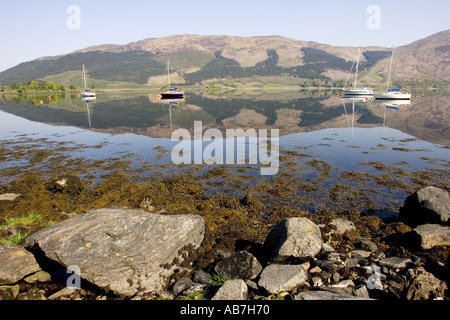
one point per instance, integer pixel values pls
(195, 58)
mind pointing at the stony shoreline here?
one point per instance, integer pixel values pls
(148, 254)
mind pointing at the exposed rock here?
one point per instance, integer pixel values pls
(293, 238)
(201, 276)
(428, 205)
(14, 230)
(40, 276)
(422, 285)
(396, 262)
(241, 265)
(182, 285)
(34, 294)
(67, 291)
(368, 246)
(360, 253)
(9, 196)
(432, 235)
(16, 263)
(232, 290)
(67, 184)
(325, 295)
(122, 250)
(276, 278)
(342, 225)
(9, 292)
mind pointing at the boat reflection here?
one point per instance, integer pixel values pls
(89, 102)
(171, 102)
(353, 100)
(393, 105)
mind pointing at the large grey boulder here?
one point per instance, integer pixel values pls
(276, 278)
(122, 250)
(293, 238)
(16, 263)
(428, 205)
(432, 235)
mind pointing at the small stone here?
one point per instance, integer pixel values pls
(342, 225)
(314, 270)
(423, 285)
(201, 276)
(182, 285)
(368, 246)
(343, 284)
(361, 292)
(396, 262)
(251, 284)
(432, 235)
(352, 262)
(40, 276)
(9, 292)
(324, 295)
(32, 295)
(232, 290)
(327, 248)
(65, 292)
(241, 265)
(361, 253)
(8, 196)
(317, 281)
(276, 278)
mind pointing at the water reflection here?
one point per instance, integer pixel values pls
(290, 112)
(89, 102)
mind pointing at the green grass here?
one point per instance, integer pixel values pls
(26, 220)
(217, 280)
(16, 221)
(16, 239)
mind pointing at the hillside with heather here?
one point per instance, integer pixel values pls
(195, 59)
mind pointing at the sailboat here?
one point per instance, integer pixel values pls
(87, 93)
(357, 91)
(392, 94)
(171, 93)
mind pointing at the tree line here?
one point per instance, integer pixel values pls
(35, 86)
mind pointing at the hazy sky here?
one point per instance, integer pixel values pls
(32, 29)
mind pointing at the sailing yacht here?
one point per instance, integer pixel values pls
(392, 94)
(171, 93)
(357, 91)
(87, 93)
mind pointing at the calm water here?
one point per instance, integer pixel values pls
(347, 135)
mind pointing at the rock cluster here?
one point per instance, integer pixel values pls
(120, 253)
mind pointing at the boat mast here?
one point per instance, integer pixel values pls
(357, 62)
(168, 75)
(390, 67)
(84, 78)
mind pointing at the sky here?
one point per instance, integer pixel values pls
(34, 29)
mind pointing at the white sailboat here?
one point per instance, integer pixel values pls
(392, 94)
(357, 91)
(171, 93)
(87, 93)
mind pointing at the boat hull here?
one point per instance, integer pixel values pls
(172, 95)
(392, 96)
(358, 92)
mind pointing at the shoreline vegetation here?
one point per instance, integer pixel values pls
(217, 86)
